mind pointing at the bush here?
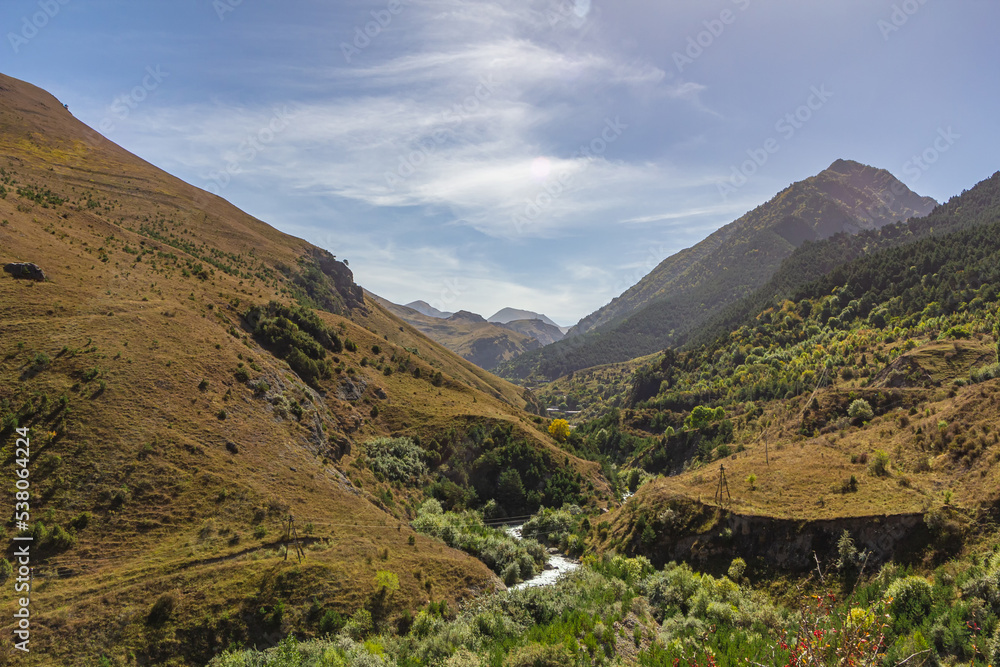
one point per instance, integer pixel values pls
(161, 610)
(6, 569)
(910, 598)
(513, 560)
(879, 464)
(360, 625)
(331, 623)
(860, 411)
(986, 373)
(540, 655)
(395, 459)
(994, 649)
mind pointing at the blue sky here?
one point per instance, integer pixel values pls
(539, 154)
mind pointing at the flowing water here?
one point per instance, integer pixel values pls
(557, 566)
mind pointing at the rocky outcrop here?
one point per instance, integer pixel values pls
(787, 544)
(341, 277)
(25, 270)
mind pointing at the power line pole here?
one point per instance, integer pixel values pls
(723, 482)
(293, 535)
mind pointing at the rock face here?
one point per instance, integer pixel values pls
(25, 270)
(790, 545)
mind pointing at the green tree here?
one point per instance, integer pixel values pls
(386, 583)
(510, 489)
(702, 416)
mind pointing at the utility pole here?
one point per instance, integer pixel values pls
(723, 482)
(292, 534)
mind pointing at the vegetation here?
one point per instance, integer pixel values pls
(621, 609)
(512, 559)
(395, 459)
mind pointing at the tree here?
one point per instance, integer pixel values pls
(700, 417)
(559, 429)
(510, 489)
(386, 583)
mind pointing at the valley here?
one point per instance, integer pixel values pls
(784, 441)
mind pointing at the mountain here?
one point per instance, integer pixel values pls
(470, 336)
(690, 287)
(427, 309)
(190, 378)
(511, 314)
(884, 374)
(542, 331)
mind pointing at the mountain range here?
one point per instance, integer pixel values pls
(485, 343)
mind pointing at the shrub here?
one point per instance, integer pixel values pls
(360, 625)
(986, 373)
(161, 610)
(540, 655)
(6, 569)
(860, 411)
(910, 598)
(499, 551)
(396, 459)
(331, 623)
(879, 464)
(559, 429)
(737, 569)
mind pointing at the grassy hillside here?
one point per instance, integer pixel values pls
(191, 377)
(689, 288)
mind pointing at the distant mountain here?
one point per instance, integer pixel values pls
(427, 309)
(466, 316)
(511, 314)
(468, 335)
(543, 332)
(692, 286)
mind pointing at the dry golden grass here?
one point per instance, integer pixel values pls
(946, 453)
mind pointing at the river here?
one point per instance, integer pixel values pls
(557, 566)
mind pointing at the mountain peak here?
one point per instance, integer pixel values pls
(427, 309)
(513, 314)
(842, 166)
(466, 316)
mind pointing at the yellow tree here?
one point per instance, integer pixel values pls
(559, 429)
